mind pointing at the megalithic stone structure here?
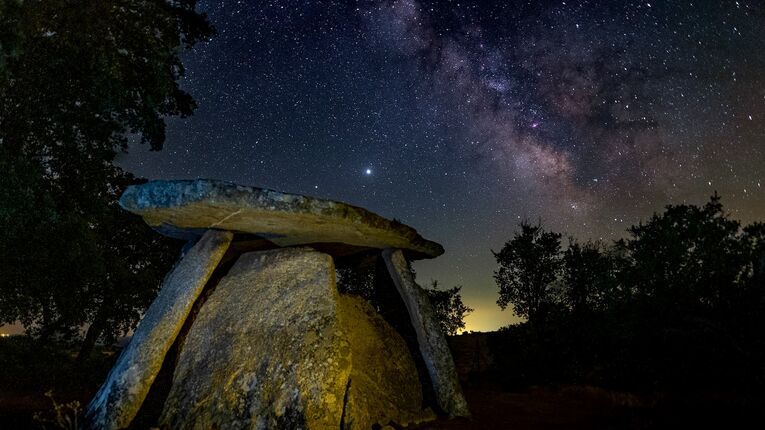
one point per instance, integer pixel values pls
(128, 383)
(431, 340)
(273, 343)
(303, 349)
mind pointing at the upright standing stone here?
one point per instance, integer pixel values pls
(433, 346)
(120, 397)
(265, 350)
(276, 347)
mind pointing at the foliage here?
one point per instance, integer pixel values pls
(30, 368)
(84, 74)
(529, 264)
(63, 415)
(367, 276)
(62, 269)
(449, 309)
(589, 276)
(689, 256)
(358, 277)
(680, 302)
(77, 80)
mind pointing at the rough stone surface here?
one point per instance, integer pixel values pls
(276, 346)
(383, 385)
(185, 207)
(126, 386)
(432, 343)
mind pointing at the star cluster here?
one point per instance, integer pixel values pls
(461, 118)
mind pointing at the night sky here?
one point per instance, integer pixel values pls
(461, 118)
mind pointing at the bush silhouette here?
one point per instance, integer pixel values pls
(677, 304)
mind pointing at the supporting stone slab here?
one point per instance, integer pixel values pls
(276, 347)
(120, 397)
(264, 351)
(433, 347)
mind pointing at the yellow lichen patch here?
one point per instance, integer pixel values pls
(384, 385)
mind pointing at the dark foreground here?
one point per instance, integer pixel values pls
(28, 371)
(584, 407)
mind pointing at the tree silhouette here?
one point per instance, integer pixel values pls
(589, 277)
(448, 306)
(677, 304)
(754, 235)
(689, 256)
(77, 79)
(529, 265)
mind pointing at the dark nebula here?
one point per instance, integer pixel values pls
(463, 118)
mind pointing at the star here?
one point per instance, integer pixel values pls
(526, 113)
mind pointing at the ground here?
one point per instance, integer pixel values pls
(28, 371)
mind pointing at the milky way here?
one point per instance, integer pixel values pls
(462, 118)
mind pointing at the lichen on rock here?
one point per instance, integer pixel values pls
(187, 207)
(122, 394)
(276, 346)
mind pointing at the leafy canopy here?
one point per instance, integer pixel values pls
(77, 80)
(679, 302)
(449, 309)
(529, 264)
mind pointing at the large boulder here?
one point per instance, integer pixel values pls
(383, 386)
(276, 346)
(188, 207)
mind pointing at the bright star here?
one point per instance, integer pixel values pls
(368, 171)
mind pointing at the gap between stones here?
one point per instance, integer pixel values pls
(345, 404)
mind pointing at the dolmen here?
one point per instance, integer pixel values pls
(254, 332)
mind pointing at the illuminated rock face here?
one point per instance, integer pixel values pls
(276, 346)
(185, 208)
(120, 397)
(431, 340)
(383, 385)
(273, 344)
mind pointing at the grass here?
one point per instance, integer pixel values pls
(43, 380)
